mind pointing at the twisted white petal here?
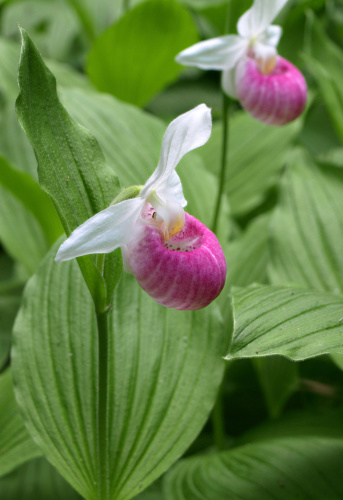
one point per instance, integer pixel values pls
(257, 19)
(104, 232)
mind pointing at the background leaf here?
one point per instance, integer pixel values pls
(306, 468)
(279, 379)
(163, 377)
(16, 445)
(292, 322)
(134, 58)
(307, 227)
(36, 480)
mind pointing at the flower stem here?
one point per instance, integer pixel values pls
(103, 448)
(218, 420)
(223, 163)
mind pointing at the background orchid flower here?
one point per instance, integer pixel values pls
(271, 89)
(152, 232)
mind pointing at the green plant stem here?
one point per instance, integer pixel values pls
(223, 163)
(84, 18)
(103, 363)
(218, 420)
(100, 262)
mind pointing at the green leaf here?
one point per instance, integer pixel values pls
(131, 140)
(71, 166)
(36, 480)
(9, 305)
(307, 227)
(257, 153)
(320, 422)
(292, 322)
(278, 379)
(164, 371)
(16, 446)
(249, 254)
(324, 60)
(304, 468)
(36, 201)
(134, 58)
(18, 225)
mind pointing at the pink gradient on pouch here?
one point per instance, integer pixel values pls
(186, 272)
(275, 98)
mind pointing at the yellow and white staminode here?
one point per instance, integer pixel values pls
(119, 224)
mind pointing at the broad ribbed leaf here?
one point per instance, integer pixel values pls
(325, 62)
(134, 58)
(249, 254)
(305, 468)
(36, 480)
(16, 445)
(9, 304)
(256, 155)
(248, 257)
(131, 140)
(71, 166)
(165, 367)
(307, 227)
(292, 322)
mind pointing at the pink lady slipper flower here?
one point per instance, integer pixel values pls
(175, 258)
(269, 88)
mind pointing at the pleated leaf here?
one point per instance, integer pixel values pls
(307, 227)
(293, 322)
(134, 58)
(248, 257)
(256, 155)
(9, 304)
(164, 370)
(305, 468)
(36, 480)
(16, 445)
(71, 166)
(324, 62)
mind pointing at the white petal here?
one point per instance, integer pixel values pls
(217, 53)
(187, 132)
(172, 188)
(257, 19)
(271, 36)
(264, 52)
(104, 232)
(228, 82)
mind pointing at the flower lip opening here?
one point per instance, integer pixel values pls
(186, 240)
(185, 245)
(266, 65)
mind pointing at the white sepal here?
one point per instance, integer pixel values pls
(187, 132)
(217, 53)
(104, 232)
(257, 19)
